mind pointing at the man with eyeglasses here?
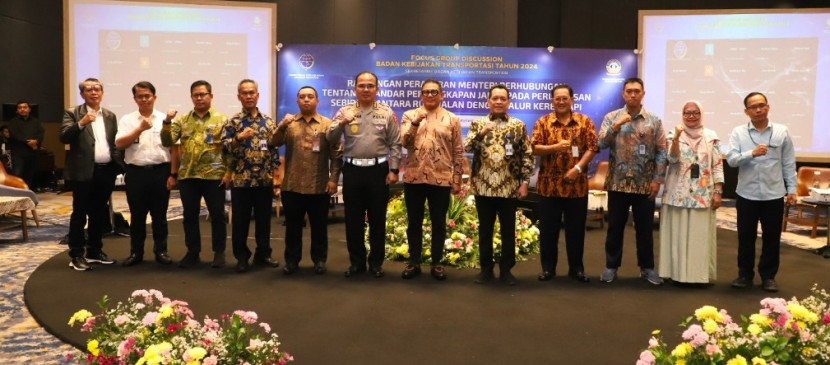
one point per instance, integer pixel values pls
(764, 154)
(566, 142)
(312, 168)
(149, 175)
(92, 162)
(248, 139)
(203, 172)
(636, 169)
(372, 154)
(435, 153)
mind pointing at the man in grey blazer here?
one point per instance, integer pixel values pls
(92, 162)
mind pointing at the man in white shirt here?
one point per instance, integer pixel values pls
(150, 174)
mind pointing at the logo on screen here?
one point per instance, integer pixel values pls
(613, 66)
(113, 40)
(306, 61)
(680, 50)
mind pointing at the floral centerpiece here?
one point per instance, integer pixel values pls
(461, 243)
(152, 329)
(782, 332)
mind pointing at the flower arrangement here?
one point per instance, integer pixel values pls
(152, 329)
(782, 332)
(461, 243)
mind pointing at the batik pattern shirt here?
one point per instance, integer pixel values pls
(252, 160)
(494, 173)
(435, 149)
(681, 189)
(202, 154)
(553, 167)
(637, 155)
(308, 171)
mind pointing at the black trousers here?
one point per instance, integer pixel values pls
(771, 214)
(192, 191)
(488, 208)
(365, 194)
(147, 193)
(415, 195)
(642, 209)
(551, 210)
(90, 200)
(24, 166)
(296, 206)
(243, 200)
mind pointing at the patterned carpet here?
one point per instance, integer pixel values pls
(23, 341)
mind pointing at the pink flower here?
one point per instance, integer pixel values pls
(255, 344)
(826, 319)
(452, 223)
(646, 358)
(88, 324)
(125, 347)
(712, 349)
(653, 342)
(121, 319)
(473, 226)
(691, 332)
(266, 327)
(457, 243)
(246, 316)
(210, 360)
(286, 358)
(149, 318)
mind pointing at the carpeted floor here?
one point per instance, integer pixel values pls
(329, 319)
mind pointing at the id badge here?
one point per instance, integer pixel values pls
(263, 145)
(695, 171)
(209, 135)
(642, 149)
(315, 142)
(574, 151)
(508, 149)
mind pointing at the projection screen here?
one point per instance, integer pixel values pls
(719, 56)
(171, 45)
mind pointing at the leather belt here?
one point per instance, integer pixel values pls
(149, 167)
(364, 162)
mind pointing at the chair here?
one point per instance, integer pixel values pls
(808, 177)
(16, 182)
(597, 195)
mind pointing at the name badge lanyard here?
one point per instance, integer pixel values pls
(315, 140)
(694, 168)
(749, 131)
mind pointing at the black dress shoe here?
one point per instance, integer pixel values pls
(769, 285)
(438, 272)
(99, 258)
(290, 269)
(266, 261)
(79, 263)
(546, 275)
(354, 270)
(163, 258)
(218, 260)
(579, 276)
(411, 271)
(133, 259)
(319, 268)
(507, 278)
(189, 260)
(485, 276)
(376, 271)
(741, 282)
(242, 266)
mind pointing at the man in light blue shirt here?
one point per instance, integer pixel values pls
(764, 154)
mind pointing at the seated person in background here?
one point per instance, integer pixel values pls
(5, 152)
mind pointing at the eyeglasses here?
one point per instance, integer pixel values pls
(144, 96)
(199, 95)
(366, 86)
(691, 114)
(757, 106)
(430, 92)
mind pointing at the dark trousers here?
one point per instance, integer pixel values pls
(551, 210)
(243, 200)
(642, 209)
(365, 193)
(23, 166)
(488, 208)
(771, 214)
(192, 191)
(296, 206)
(147, 193)
(415, 195)
(90, 199)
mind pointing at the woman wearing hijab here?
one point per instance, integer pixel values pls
(694, 181)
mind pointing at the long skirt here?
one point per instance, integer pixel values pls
(688, 244)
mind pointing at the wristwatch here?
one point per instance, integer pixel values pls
(578, 168)
(718, 191)
(174, 175)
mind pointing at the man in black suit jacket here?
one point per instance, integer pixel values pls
(92, 162)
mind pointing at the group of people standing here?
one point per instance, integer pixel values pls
(204, 152)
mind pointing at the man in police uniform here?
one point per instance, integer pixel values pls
(372, 154)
